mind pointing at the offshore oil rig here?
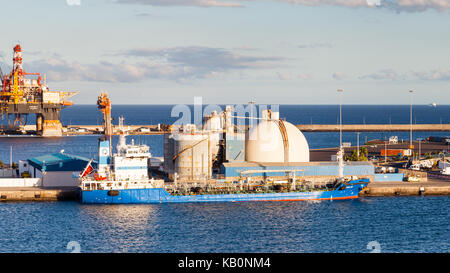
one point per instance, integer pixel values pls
(24, 93)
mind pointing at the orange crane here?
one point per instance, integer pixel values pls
(104, 105)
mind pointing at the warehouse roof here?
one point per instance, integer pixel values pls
(59, 162)
(235, 169)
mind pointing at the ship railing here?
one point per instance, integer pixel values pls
(113, 185)
(189, 187)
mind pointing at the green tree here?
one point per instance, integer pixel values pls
(362, 155)
(364, 151)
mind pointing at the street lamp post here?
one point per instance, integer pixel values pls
(385, 150)
(251, 120)
(340, 152)
(357, 141)
(420, 151)
(340, 116)
(410, 119)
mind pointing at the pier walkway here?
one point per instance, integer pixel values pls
(431, 187)
(38, 194)
(372, 127)
(153, 129)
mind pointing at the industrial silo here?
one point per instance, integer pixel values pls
(274, 140)
(168, 154)
(192, 157)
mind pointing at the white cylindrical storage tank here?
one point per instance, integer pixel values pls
(168, 154)
(214, 123)
(276, 141)
(298, 145)
(275, 115)
(227, 122)
(214, 144)
(192, 161)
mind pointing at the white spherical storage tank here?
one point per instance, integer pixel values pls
(276, 141)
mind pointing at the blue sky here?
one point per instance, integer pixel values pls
(234, 51)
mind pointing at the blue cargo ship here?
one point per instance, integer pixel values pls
(123, 179)
(346, 190)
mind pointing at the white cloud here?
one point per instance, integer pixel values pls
(345, 3)
(58, 69)
(304, 76)
(283, 76)
(246, 48)
(433, 75)
(197, 3)
(397, 5)
(316, 45)
(385, 74)
(389, 74)
(175, 64)
(338, 76)
(204, 58)
(142, 14)
(422, 5)
(5, 68)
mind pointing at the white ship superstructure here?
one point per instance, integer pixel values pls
(125, 169)
(131, 161)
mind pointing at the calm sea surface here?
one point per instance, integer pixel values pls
(401, 224)
(398, 224)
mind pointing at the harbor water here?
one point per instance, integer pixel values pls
(400, 224)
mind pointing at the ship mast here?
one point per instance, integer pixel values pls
(121, 144)
(340, 153)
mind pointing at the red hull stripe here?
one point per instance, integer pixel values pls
(315, 199)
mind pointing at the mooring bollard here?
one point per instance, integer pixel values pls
(421, 190)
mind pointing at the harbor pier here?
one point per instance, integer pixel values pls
(431, 187)
(155, 129)
(38, 194)
(372, 127)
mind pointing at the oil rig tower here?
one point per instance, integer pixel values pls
(25, 93)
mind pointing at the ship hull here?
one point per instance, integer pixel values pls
(160, 195)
